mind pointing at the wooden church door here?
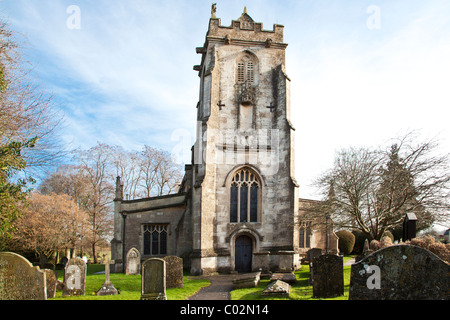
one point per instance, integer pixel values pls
(243, 254)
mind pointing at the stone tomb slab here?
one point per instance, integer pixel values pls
(400, 272)
(19, 280)
(288, 277)
(250, 280)
(277, 289)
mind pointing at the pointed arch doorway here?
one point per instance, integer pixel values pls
(243, 254)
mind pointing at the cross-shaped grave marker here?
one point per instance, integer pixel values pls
(107, 288)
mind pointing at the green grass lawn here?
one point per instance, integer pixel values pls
(299, 291)
(129, 286)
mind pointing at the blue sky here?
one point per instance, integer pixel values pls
(362, 72)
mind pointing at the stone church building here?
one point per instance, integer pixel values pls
(237, 208)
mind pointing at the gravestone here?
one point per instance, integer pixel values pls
(19, 280)
(107, 288)
(409, 227)
(400, 272)
(133, 262)
(153, 280)
(328, 276)
(311, 254)
(51, 278)
(174, 272)
(74, 278)
(277, 289)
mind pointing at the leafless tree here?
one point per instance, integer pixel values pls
(160, 174)
(372, 189)
(95, 164)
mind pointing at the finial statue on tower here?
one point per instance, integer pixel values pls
(213, 10)
(245, 9)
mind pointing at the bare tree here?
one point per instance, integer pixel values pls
(95, 165)
(160, 174)
(126, 164)
(372, 190)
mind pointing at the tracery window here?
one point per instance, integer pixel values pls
(155, 239)
(305, 235)
(244, 197)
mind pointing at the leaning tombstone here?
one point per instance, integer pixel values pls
(400, 272)
(19, 280)
(153, 280)
(328, 276)
(133, 262)
(51, 278)
(74, 278)
(174, 272)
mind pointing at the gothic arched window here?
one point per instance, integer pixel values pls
(155, 239)
(305, 235)
(244, 197)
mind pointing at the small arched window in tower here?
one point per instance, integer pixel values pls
(241, 72)
(246, 70)
(244, 197)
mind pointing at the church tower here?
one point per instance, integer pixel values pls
(244, 197)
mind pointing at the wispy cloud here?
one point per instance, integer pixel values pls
(126, 76)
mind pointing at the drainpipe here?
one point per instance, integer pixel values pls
(123, 242)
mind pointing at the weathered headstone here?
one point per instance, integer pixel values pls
(153, 280)
(19, 280)
(51, 278)
(133, 262)
(400, 272)
(328, 276)
(311, 254)
(107, 288)
(174, 272)
(277, 289)
(74, 278)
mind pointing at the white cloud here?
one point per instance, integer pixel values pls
(126, 76)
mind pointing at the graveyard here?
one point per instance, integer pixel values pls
(396, 272)
(129, 286)
(417, 269)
